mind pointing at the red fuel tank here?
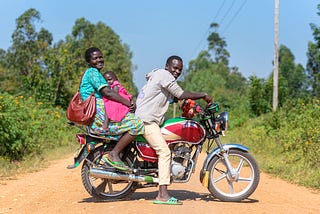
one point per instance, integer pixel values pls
(182, 130)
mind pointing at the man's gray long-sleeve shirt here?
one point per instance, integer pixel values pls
(153, 99)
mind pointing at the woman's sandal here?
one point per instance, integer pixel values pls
(170, 201)
(116, 164)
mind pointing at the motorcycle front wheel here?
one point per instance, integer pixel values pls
(237, 188)
(101, 188)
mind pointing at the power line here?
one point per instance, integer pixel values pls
(207, 31)
(232, 19)
(229, 9)
(222, 20)
(218, 12)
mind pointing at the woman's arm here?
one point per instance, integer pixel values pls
(116, 89)
(112, 95)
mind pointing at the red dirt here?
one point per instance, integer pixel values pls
(59, 190)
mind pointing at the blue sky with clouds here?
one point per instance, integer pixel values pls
(155, 30)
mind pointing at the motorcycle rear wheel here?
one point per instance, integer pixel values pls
(105, 189)
(237, 189)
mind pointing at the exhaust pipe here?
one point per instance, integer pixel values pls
(100, 173)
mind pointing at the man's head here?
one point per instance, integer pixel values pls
(174, 65)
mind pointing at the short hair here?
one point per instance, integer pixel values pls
(171, 58)
(88, 53)
(112, 74)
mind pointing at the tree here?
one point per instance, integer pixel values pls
(117, 56)
(33, 66)
(258, 98)
(25, 56)
(218, 46)
(236, 81)
(313, 63)
(292, 82)
(292, 76)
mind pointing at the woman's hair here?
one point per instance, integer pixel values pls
(88, 53)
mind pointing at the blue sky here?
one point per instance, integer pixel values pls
(155, 30)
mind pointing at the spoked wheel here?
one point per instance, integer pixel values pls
(106, 189)
(238, 187)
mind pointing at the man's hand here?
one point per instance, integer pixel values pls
(207, 98)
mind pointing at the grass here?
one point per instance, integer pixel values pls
(10, 170)
(288, 165)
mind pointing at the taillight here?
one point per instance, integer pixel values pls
(81, 139)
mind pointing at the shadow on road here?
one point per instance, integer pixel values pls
(180, 194)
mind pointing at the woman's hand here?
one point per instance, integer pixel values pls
(132, 107)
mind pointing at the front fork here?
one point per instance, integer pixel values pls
(232, 173)
(221, 150)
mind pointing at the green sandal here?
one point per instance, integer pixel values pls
(170, 201)
(116, 164)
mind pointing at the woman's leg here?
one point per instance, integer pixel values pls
(123, 142)
(129, 128)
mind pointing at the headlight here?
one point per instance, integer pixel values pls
(222, 121)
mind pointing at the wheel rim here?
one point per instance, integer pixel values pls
(106, 187)
(233, 187)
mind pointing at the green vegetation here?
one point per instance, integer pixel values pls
(38, 78)
(285, 143)
(31, 132)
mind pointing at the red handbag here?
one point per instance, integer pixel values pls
(81, 111)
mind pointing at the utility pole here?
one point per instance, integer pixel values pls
(276, 55)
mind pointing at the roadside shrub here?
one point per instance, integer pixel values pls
(27, 127)
(286, 142)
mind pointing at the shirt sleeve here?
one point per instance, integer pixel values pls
(175, 89)
(170, 83)
(96, 79)
(92, 82)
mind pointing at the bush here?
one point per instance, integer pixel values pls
(28, 128)
(286, 142)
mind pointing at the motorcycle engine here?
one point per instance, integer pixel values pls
(180, 157)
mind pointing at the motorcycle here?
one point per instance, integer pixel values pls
(229, 171)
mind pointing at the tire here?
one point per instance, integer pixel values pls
(240, 188)
(105, 189)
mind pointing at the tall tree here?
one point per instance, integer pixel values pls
(25, 56)
(218, 45)
(292, 81)
(313, 63)
(259, 103)
(117, 55)
(292, 76)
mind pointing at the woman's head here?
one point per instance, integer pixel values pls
(110, 76)
(94, 58)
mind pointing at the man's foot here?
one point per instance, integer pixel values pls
(170, 201)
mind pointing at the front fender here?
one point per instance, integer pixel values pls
(204, 174)
(217, 150)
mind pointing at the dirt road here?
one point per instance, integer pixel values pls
(58, 190)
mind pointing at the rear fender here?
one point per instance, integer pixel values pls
(88, 144)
